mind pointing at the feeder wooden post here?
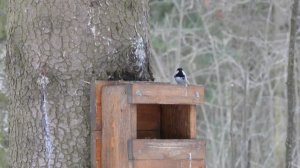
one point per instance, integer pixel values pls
(145, 125)
(118, 127)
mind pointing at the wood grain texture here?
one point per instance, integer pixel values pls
(96, 122)
(96, 105)
(148, 116)
(119, 126)
(169, 164)
(96, 102)
(148, 120)
(92, 113)
(98, 117)
(152, 93)
(178, 122)
(148, 134)
(192, 122)
(155, 149)
(96, 143)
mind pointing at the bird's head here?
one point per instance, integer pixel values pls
(179, 69)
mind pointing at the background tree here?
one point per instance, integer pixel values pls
(3, 98)
(55, 49)
(291, 153)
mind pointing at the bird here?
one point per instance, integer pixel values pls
(180, 77)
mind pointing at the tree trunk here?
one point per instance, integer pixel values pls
(55, 48)
(291, 130)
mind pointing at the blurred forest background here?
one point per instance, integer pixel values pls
(237, 49)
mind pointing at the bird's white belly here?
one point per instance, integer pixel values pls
(180, 80)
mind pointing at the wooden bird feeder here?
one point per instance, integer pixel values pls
(145, 125)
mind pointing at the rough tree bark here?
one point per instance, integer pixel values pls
(291, 138)
(55, 48)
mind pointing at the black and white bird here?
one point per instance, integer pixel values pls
(180, 77)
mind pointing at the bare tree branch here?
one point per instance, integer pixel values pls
(291, 139)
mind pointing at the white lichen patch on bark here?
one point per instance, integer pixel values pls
(43, 82)
(140, 53)
(91, 26)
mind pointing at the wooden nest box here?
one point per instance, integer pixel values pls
(145, 125)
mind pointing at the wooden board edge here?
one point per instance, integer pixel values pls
(96, 102)
(169, 163)
(193, 121)
(159, 149)
(92, 113)
(96, 137)
(137, 96)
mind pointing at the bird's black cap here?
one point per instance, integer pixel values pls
(179, 69)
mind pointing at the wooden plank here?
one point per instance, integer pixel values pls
(96, 123)
(92, 113)
(96, 120)
(152, 93)
(96, 149)
(193, 164)
(154, 149)
(96, 102)
(148, 134)
(192, 122)
(148, 117)
(119, 126)
(96, 105)
(99, 86)
(178, 122)
(169, 164)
